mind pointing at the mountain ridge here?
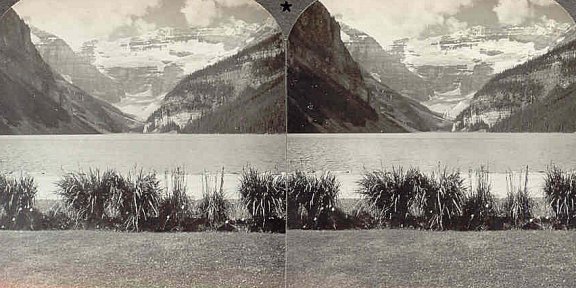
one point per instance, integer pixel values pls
(34, 99)
(523, 98)
(253, 76)
(328, 91)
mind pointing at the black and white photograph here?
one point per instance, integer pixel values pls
(287, 143)
(450, 65)
(142, 144)
(397, 175)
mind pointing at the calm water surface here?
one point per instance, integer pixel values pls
(48, 157)
(348, 155)
(500, 152)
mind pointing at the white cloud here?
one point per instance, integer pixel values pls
(203, 12)
(200, 12)
(237, 3)
(515, 12)
(394, 19)
(512, 12)
(543, 2)
(79, 21)
(454, 25)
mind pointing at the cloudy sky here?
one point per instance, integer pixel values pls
(78, 21)
(388, 20)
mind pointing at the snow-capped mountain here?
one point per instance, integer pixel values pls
(537, 96)
(385, 67)
(146, 67)
(243, 93)
(75, 68)
(36, 99)
(457, 64)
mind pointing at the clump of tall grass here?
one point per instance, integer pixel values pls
(439, 198)
(136, 200)
(86, 195)
(176, 208)
(480, 204)
(518, 205)
(213, 207)
(560, 192)
(17, 198)
(107, 199)
(311, 199)
(389, 195)
(263, 195)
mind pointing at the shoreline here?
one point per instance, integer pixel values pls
(47, 184)
(349, 183)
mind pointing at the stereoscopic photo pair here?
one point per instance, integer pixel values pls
(242, 143)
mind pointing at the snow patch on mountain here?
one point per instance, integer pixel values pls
(150, 65)
(449, 104)
(430, 52)
(458, 64)
(140, 105)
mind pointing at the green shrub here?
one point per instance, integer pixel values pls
(17, 198)
(311, 200)
(263, 195)
(518, 205)
(560, 192)
(480, 204)
(390, 195)
(213, 207)
(440, 199)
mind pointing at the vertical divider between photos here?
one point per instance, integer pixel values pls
(286, 21)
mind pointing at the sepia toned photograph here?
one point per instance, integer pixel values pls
(142, 144)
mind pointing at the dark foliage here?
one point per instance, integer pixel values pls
(264, 196)
(312, 200)
(560, 191)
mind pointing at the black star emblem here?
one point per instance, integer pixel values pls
(286, 6)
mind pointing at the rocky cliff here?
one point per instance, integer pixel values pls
(243, 93)
(34, 99)
(537, 96)
(75, 68)
(384, 66)
(328, 91)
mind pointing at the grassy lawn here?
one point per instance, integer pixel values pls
(406, 258)
(110, 259)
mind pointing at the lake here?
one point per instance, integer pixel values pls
(49, 157)
(348, 155)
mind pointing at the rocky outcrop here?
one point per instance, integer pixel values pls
(75, 68)
(328, 91)
(243, 93)
(385, 67)
(34, 99)
(537, 96)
